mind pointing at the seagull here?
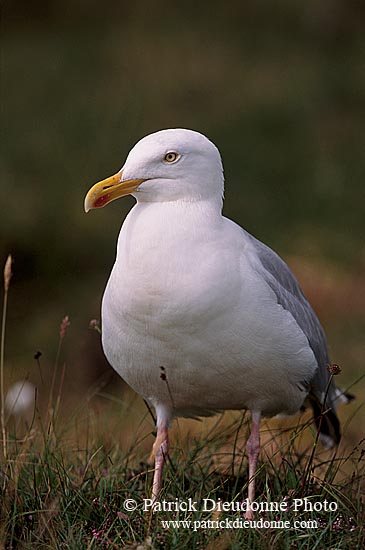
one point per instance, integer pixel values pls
(198, 316)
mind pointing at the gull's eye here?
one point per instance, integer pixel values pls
(171, 156)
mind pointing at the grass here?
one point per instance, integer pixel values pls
(65, 479)
(62, 494)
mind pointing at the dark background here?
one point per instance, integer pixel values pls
(278, 86)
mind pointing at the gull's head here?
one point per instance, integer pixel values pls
(169, 165)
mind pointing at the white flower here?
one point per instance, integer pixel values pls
(20, 398)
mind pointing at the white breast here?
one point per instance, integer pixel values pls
(199, 311)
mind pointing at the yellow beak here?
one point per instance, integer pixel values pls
(108, 190)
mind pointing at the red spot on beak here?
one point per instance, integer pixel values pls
(101, 201)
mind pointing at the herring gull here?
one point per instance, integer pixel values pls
(195, 300)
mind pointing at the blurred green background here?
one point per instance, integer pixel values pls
(279, 86)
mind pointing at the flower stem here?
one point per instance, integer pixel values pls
(7, 277)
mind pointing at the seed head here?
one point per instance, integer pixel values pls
(95, 325)
(334, 369)
(7, 273)
(64, 326)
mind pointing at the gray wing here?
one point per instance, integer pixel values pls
(289, 294)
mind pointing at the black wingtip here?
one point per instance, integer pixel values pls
(349, 396)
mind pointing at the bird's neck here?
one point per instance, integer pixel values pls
(163, 224)
(187, 214)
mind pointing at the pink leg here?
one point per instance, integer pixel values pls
(253, 451)
(160, 450)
